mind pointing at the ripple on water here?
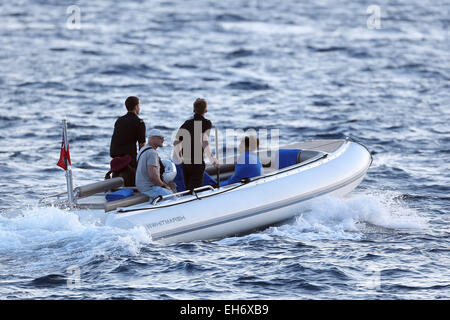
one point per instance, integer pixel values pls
(248, 85)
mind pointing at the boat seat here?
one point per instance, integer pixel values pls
(305, 155)
(224, 168)
(126, 202)
(226, 171)
(97, 187)
(289, 157)
(284, 158)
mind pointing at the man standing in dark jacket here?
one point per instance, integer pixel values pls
(128, 130)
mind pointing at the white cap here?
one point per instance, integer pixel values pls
(155, 133)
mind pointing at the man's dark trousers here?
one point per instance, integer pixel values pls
(193, 175)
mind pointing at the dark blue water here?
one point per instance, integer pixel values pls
(311, 70)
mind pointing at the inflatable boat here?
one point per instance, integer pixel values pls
(292, 176)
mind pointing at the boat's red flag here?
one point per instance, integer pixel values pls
(64, 155)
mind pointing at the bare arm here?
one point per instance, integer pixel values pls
(153, 173)
(182, 135)
(179, 135)
(207, 148)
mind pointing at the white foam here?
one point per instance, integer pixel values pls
(340, 219)
(42, 238)
(61, 234)
(254, 237)
(334, 218)
(267, 28)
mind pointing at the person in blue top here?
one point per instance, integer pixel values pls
(248, 164)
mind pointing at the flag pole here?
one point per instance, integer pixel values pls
(69, 179)
(217, 156)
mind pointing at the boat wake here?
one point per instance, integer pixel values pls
(351, 218)
(40, 240)
(49, 238)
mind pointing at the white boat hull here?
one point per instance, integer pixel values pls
(239, 209)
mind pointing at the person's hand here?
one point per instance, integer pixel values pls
(165, 186)
(215, 162)
(173, 186)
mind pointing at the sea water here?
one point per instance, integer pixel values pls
(316, 70)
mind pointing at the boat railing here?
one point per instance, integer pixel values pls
(44, 199)
(194, 192)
